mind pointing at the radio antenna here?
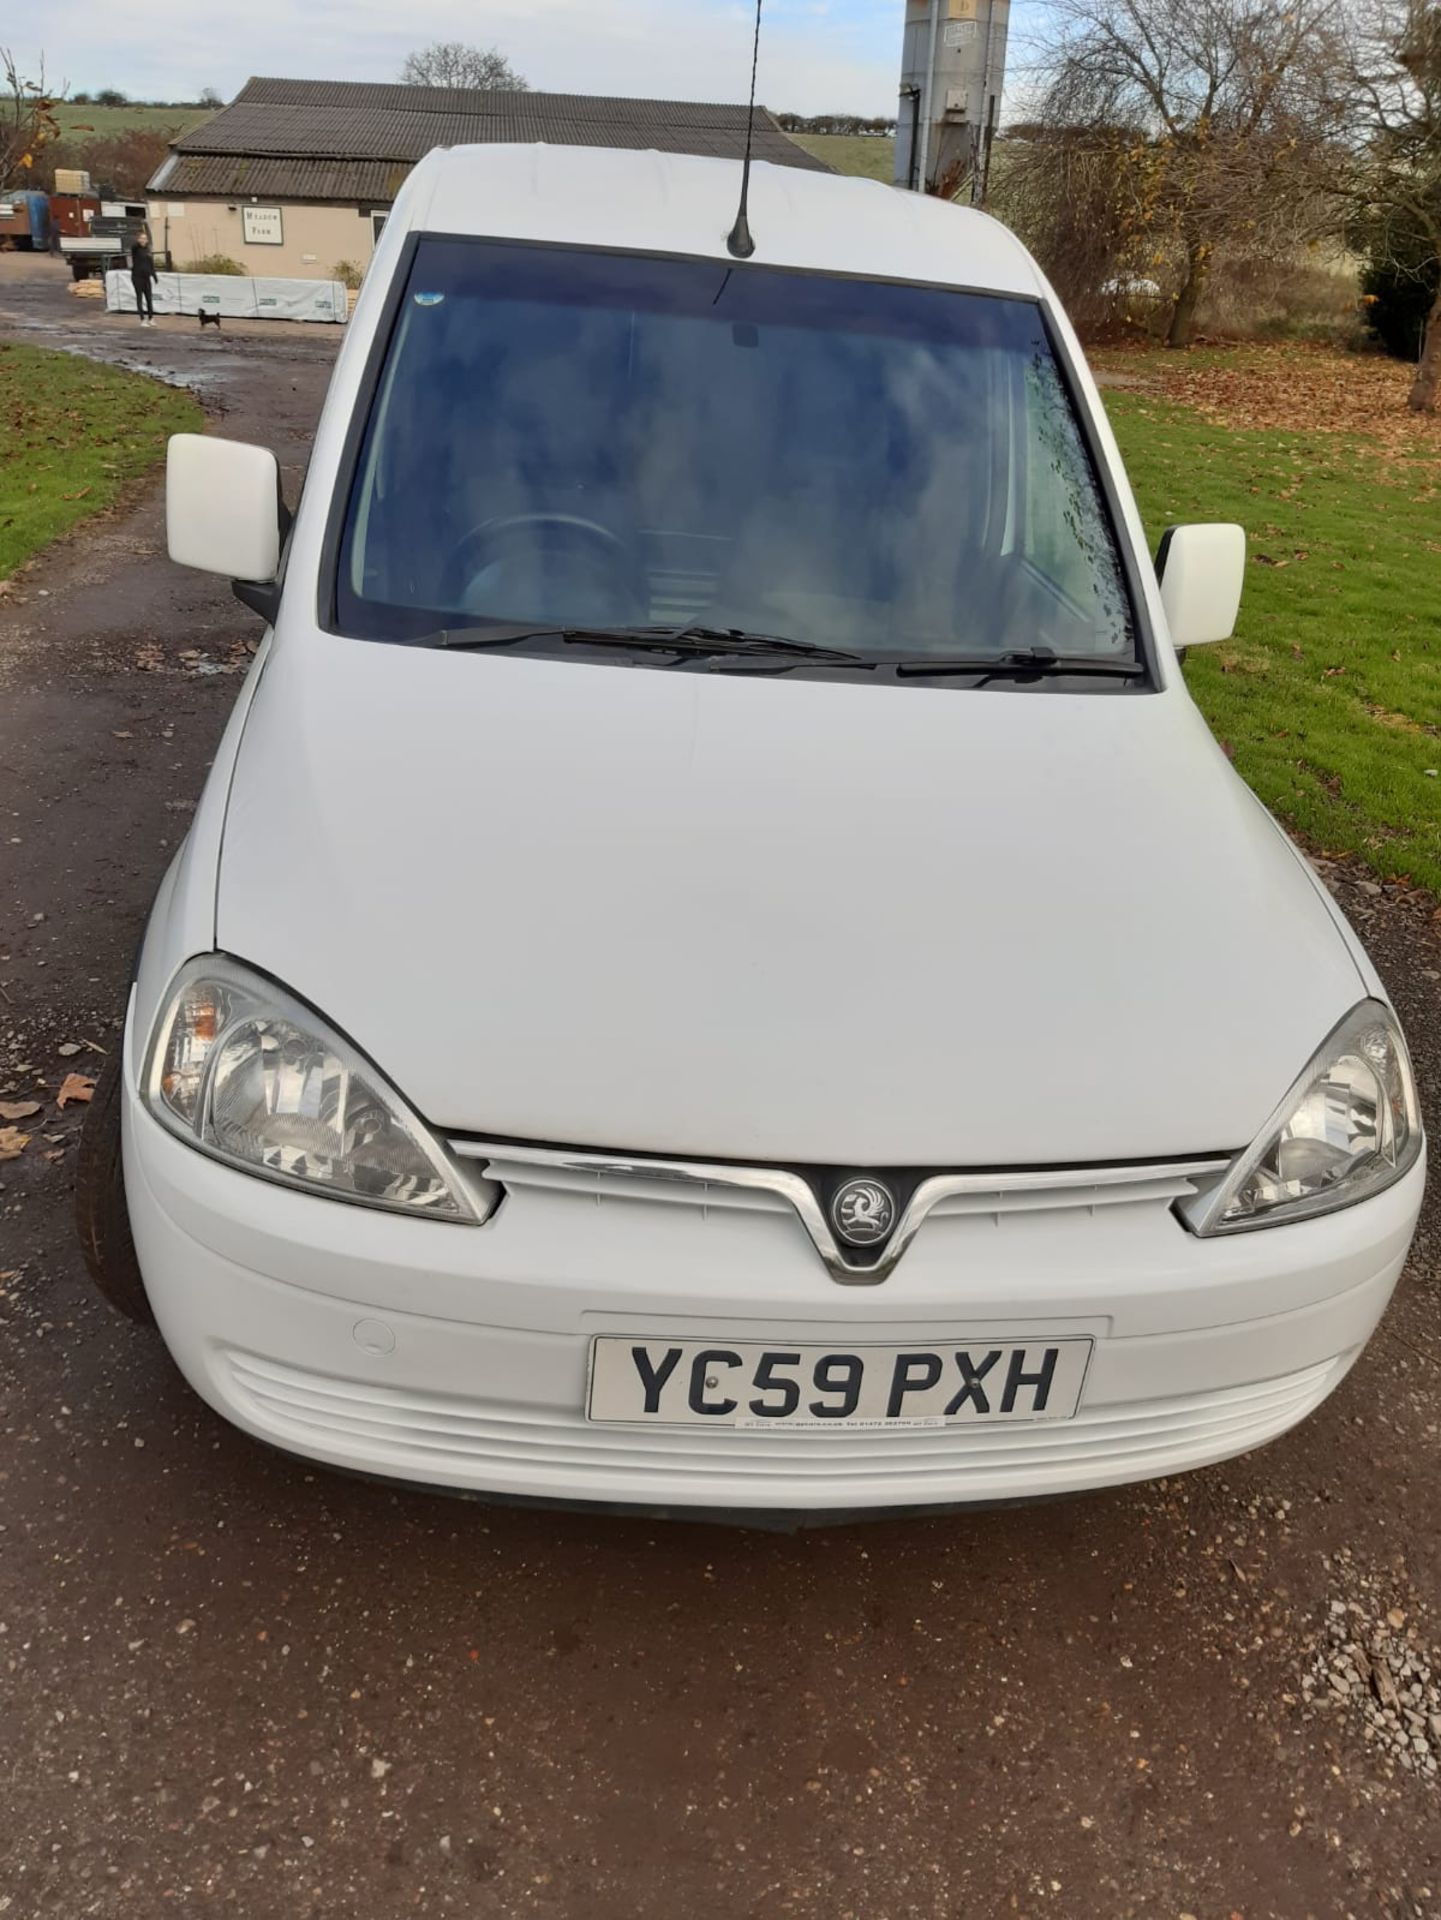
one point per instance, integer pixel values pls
(738, 241)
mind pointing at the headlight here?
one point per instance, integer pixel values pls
(1349, 1127)
(244, 1071)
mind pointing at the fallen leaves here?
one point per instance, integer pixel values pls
(195, 662)
(75, 1087)
(18, 1109)
(1290, 387)
(12, 1143)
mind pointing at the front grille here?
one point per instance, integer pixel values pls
(594, 1177)
(442, 1436)
(915, 1194)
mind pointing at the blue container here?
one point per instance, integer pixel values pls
(39, 220)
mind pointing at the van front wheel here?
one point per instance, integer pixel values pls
(102, 1218)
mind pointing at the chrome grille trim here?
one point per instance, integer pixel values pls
(601, 1175)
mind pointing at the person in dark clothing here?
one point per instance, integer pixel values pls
(142, 278)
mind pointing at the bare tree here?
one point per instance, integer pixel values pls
(1214, 111)
(1395, 94)
(1076, 197)
(27, 119)
(451, 63)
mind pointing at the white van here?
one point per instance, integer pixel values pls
(718, 966)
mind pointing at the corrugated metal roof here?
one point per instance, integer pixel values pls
(335, 132)
(376, 133)
(293, 125)
(352, 94)
(281, 177)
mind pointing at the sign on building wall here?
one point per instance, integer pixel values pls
(262, 226)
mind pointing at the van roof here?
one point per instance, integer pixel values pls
(680, 203)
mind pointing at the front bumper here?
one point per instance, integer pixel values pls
(456, 1356)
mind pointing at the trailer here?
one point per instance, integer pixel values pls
(106, 242)
(24, 221)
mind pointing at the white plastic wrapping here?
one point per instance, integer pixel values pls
(234, 296)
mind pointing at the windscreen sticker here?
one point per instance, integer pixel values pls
(429, 299)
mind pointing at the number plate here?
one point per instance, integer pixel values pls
(724, 1383)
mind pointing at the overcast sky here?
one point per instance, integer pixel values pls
(816, 55)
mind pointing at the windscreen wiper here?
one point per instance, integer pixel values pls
(495, 634)
(693, 642)
(702, 639)
(1023, 663)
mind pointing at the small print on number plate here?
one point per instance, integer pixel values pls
(744, 1384)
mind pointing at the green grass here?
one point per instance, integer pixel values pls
(73, 435)
(1329, 698)
(872, 158)
(103, 123)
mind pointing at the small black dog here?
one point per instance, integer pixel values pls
(209, 319)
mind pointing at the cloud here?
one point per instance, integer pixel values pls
(816, 55)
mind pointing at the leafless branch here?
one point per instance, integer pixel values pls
(27, 118)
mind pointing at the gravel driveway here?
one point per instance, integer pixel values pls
(236, 1686)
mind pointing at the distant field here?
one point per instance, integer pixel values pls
(79, 123)
(873, 159)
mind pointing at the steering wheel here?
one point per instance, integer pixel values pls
(527, 535)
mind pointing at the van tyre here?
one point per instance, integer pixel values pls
(101, 1215)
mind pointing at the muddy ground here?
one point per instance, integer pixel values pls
(232, 1685)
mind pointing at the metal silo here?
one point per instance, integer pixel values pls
(953, 61)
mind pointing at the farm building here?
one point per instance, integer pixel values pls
(296, 176)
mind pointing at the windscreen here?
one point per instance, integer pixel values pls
(560, 436)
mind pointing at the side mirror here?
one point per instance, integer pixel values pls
(224, 514)
(1202, 569)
